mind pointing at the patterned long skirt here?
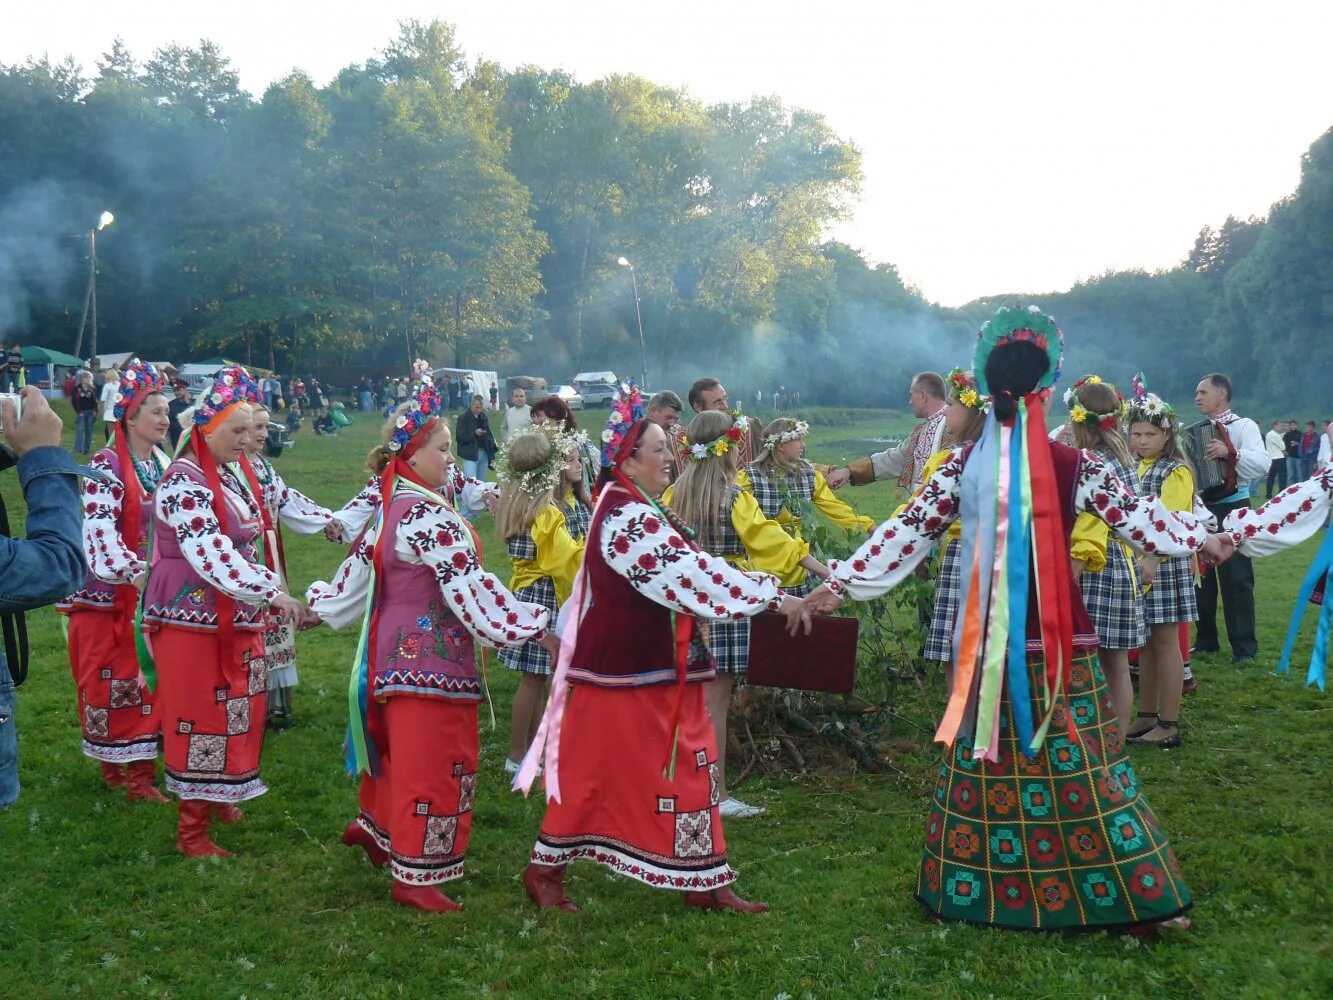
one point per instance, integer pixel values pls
(212, 717)
(616, 806)
(280, 652)
(1066, 841)
(418, 804)
(116, 710)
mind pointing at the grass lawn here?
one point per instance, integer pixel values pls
(94, 900)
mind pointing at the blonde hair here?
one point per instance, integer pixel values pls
(767, 459)
(1101, 399)
(519, 507)
(703, 486)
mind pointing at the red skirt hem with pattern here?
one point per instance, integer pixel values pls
(618, 808)
(116, 709)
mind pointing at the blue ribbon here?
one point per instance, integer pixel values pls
(1323, 561)
(1020, 544)
(978, 519)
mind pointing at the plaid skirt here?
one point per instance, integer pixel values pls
(1113, 602)
(1172, 597)
(948, 594)
(530, 657)
(730, 644)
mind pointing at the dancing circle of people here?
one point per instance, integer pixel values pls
(639, 558)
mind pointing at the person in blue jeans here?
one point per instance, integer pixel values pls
(47, 564)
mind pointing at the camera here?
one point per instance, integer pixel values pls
(17, 400)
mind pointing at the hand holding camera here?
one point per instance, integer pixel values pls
(27, 420)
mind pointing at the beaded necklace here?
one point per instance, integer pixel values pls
(149, 472)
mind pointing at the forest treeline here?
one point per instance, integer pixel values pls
(420, 203)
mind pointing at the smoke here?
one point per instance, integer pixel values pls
(37, 265)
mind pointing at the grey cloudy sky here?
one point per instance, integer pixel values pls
(1007, 146)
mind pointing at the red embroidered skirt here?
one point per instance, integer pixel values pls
(616, 806)
(212, 718)
(418, 804)
(115, 709)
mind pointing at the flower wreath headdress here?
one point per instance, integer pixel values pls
(231, 385)
(798, 433)
(625, 411)
(1149, 407)
(1080, 414)
(138, 381)
(1014, 325)
(545, 476)
(719, 446)
(424, 405)
(963, 387)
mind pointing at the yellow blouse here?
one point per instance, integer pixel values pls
(1178, 488)
(558, 555)
(768, 549)
(825, 501)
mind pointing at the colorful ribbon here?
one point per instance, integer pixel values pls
(1319, 569)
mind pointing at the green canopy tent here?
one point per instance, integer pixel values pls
(46, 368)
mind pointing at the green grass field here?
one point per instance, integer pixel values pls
(95, 902)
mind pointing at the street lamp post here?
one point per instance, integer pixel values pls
(638, 316)
(90, 298)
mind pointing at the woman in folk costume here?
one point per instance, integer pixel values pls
(727, 522)
(1164, 471)
(1106, 574)
(631, 772)
(543, 516)
(206, 608)
(415, 582)
(779, 475)
(120, 726)
(1036, 822)
(283, 507)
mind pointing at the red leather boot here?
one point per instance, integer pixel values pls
(113, 775)
(227, 813)
(141, 782)
(545, 885)
(192, 830)
(723, 899)
(356, 836)
(423, 897)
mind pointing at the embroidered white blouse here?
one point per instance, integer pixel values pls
(296, 510)
(1288, 519)
(463, 491)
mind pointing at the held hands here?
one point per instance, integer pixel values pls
(1217, 549)
(288, 609)
(838, 478)
(797, 614)
(39, 427)
(822, 601)
(333, 531)
(551, 643)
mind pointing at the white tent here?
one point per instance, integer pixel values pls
(477, 382)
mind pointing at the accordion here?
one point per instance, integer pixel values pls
(1215, 477)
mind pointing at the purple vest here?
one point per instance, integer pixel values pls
(95, 594)
(176, 594)
(421, 648)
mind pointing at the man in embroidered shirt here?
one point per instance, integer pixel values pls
(905, 462)
(1235, 577)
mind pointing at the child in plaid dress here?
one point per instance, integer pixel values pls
(1165, 472)
(730, 523)
(543, 514)
(1111, 594)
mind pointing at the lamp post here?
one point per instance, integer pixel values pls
(90, 298)
(638, 316)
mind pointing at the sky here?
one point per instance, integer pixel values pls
(1006, 146)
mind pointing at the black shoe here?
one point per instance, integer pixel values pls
(1190, 686)
(1202, 649)
(1242, 659)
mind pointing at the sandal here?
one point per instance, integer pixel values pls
(1131, 734)
(1165, 742)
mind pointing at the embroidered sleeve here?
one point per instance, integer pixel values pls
(898, 546)
(1289, 518)
(108, 558)
(342, 600)
(187, 508)
(297, 511)
(433, 535)
(837, 510)
(643, 548)
(357, 512)
(470, 493)
(1145, 522)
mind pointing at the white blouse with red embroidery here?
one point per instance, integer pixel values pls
(187, 508)
(657, 562)
(296, 510)
(108, 558)
(898, 545)
(1288, 519)
(463, 491)
(431, 534)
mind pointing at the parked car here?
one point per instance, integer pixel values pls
(569, 395)
(597, 393)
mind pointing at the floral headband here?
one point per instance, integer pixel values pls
(231, 385)
(721, 445)
(1013, 326)
(798, 433)
(545, 476)
(963, 387)
(420, 370)
(625, 412)
(138, 381)
(1080, 414)
(423, 406)
(1149, 407)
